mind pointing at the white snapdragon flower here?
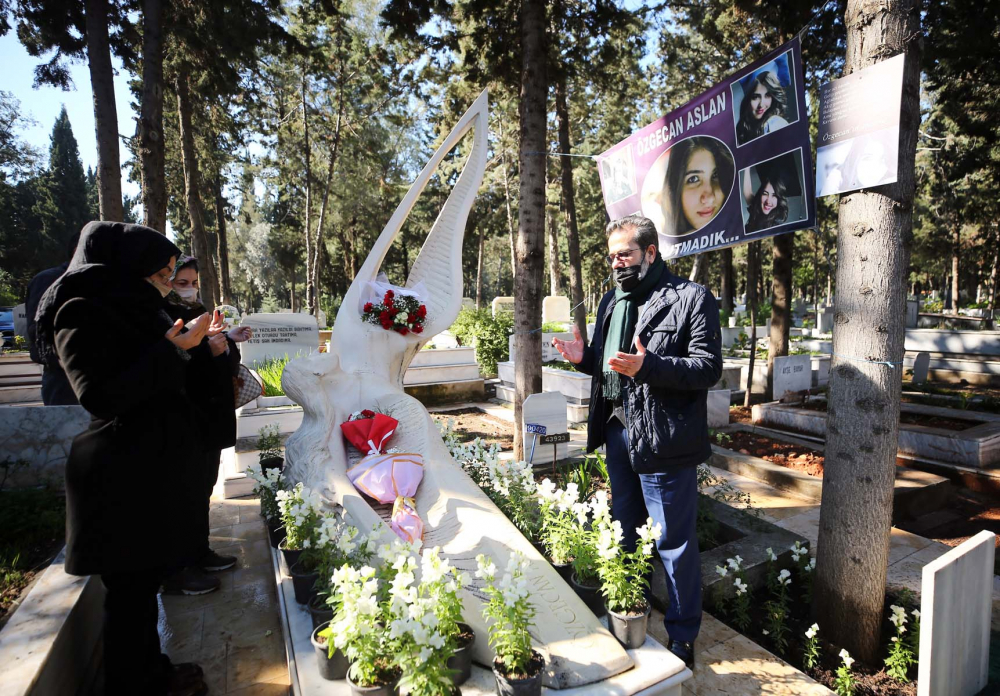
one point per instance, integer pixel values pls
(721, 571)
(740, 586)
(813, 630)
(733, 564)
(770, 554)
(547, 490)
(916, 613)
(785, 577)
(846, 657)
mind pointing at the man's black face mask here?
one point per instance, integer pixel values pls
(628, 277)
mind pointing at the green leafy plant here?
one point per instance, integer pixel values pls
(510, 612)
(270, 372)
(844, 682)
(557, 528)
(267, 483)
(739, 607)
(624, 576)
(553, 327)
(600, 463)
(585, 525)
(300, 515)
(362, 611)
(897, 664)
(776, 609)
(806, 565)
(810, 651)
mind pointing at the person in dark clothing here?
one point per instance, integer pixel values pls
(211, 388)
(656, 352)
(55, 387)
(130, 504)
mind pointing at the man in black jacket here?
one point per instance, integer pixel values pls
(655, 354)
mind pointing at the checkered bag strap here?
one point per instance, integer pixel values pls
(246, 387)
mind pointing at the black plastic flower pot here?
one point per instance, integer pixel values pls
(275, 532)
(629, 629)
(391, 689)
(529, 686)
(272, 463)
(302, 582)
(319, 611)
(330, 668)
(461, 661)
(565, 570)
(590, 594)
(289, 557)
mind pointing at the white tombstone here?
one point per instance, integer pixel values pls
(20, 321)
(921, 364)
(502, 304)
(912, 313)
(956, 593)
(547, 410)
(718, 408)
(364, 369)
(556, 308)
(792, 373)
(468, 303)
(824, 321)
(278, 335)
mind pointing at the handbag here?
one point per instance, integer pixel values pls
(246, 387)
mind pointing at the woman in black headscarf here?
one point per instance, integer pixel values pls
(130, 503)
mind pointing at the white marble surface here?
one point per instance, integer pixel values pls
(502, 304)
(792, 373)
(820, 370)
(279, 335)
(464, 355)
(556, 308)
(921, 363)
(249, 422)
(946, 341)
(42, 436)
(572, 385)
(20, 321)
(955, 608)
(718, 407)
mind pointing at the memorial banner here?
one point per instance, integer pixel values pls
(858, 143)
(728, 167)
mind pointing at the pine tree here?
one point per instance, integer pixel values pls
(62, 196)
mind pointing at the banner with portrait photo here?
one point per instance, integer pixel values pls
(730, 166)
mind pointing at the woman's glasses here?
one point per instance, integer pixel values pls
(623, 255)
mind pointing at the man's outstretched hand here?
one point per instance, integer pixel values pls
(629, 364)
(571, 350)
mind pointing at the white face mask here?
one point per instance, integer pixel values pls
(189, 294)
(164, 289)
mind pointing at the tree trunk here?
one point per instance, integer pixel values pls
(479, 266)
(956, 249)
(994, 277)
(781, 305)
(506, 198)
(109, 170)
(753, 251)
(151, 152)
(192, 197)
(873, 252)
(223, 253)
(531, 214)
(555, 268)
(698, 269)
(569, 209)
(727, 284)
(307, 175)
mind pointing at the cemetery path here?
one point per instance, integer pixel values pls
(235, 632)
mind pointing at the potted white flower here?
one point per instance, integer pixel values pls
(267, 483)
(339, 545)
(517, 667)
(586, 581)
(300, 514)
(624, 579)
(558, 524)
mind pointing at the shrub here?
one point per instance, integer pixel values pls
(489, 334)
(270, 372)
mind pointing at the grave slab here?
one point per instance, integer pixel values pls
(792, 374)
(20, 321)
(279, 335)
(718, 408)
(556, 308)
(955, 606)
(502, 304)
(921, 364)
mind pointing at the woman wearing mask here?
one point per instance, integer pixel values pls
(130, 504)
(210, 385)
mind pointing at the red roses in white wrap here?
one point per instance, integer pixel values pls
(390, 477)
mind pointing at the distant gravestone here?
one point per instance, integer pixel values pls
(824, 321)
(278, 335)
(545, 411)
(921, 364)
(556, 308)
(20, 321)
(792, 373)
(502, 304)
(955, 608)
(912, 313)
(468, 303)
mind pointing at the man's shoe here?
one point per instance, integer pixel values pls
(190, 581)
(683, 650)
(212, 562)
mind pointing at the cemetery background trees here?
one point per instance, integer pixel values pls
(873, 246)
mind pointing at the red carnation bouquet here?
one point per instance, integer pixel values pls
(396, 312)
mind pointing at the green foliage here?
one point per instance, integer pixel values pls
(62, 198)
(489, 334)
(553, 327)
(32, 523)
(901, 655)
(844, 681)
(270, 372)
(509, 611)
(268, 443)
(810, 651)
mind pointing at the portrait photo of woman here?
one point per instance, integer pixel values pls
(773, 192)
(766, 102)
(699, 177)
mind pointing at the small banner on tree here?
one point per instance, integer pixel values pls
(731, 166)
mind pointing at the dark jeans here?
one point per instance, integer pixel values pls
(671, 499)
(56, 390)
(132, 660)
(210, 470)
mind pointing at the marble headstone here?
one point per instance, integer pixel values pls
(792, 373)
(365, 368)
(502, 304)
(955, 604)
(278, 335)
(921, 364)
(20, 321)
(912, 313)
(556, 308)
(549, 411)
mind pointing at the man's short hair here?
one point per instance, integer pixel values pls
(643, 230)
